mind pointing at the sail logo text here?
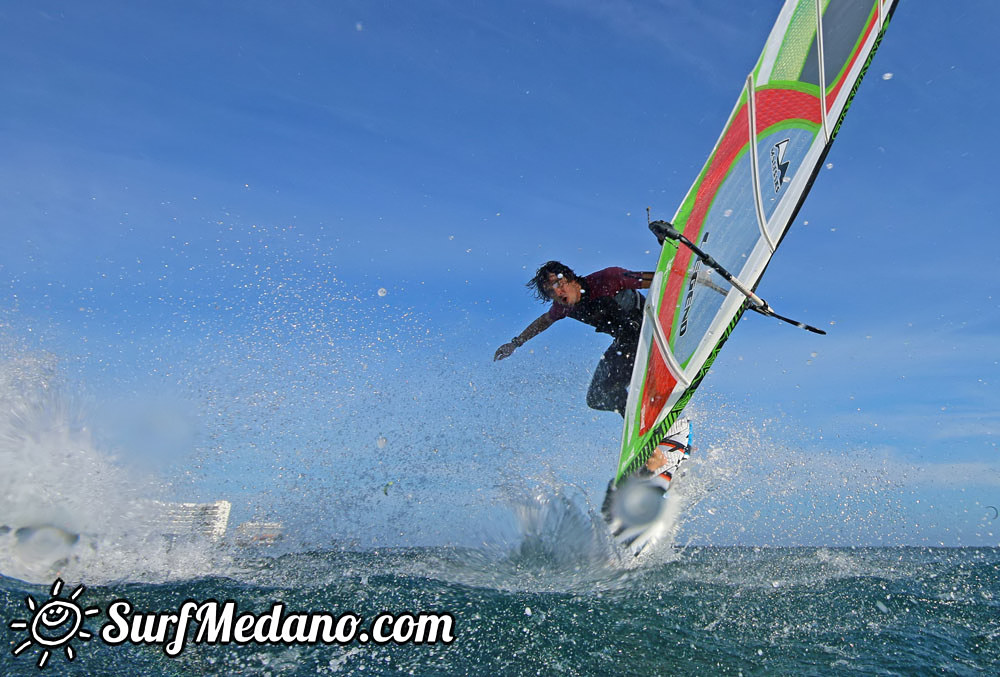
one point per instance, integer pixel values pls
(219, 623)
(779, 166)
(688, 298)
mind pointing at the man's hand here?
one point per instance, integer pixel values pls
(504, 351)
(540, 324)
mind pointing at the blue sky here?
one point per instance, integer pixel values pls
(201, 202)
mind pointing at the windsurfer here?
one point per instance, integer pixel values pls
(607, 300)
(610, 302)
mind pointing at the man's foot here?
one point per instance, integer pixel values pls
(675, 448)
(658, 478)
(670, 458)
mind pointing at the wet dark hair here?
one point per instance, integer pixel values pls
(539, 284)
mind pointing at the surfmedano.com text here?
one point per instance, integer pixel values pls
(212, 622)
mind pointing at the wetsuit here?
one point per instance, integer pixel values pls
(610, 304)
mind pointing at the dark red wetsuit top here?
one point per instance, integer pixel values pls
(604, 307)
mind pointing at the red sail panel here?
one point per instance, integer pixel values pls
(660, 383)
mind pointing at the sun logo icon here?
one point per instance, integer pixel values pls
(54, 624)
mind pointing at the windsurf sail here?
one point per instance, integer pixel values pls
(740, 206)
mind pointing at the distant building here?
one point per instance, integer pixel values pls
(205, 520)
(259, 533)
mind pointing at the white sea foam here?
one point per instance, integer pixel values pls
(66, 509)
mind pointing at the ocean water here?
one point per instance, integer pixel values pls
(715, 610)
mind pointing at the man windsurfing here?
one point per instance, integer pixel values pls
(608, 301)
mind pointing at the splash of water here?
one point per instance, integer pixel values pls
(66, 509)
(767, 483)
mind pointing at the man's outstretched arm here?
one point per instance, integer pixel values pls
(534, 329)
